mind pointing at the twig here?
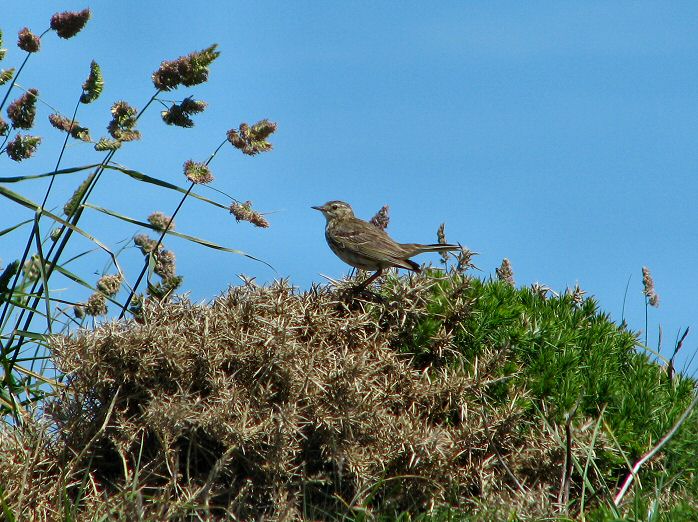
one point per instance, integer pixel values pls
(563, 497)
(651, 453)
(131, 294)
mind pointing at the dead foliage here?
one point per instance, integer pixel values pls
(279, 404)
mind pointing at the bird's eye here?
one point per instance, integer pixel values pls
(334, 207)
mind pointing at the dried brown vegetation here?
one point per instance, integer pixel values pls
(283, 404)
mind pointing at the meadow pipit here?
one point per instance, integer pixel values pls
(366, 246)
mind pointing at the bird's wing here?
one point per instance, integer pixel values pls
(368, 239)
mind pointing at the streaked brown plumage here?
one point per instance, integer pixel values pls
(365, 246)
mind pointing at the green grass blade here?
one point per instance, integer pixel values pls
(46, 296)
(40, 338)
(74, 277)
(161, 183)
(200, 241)
(70, 170)
(15, 227)
(37, 376)
(18, 198)
(9, 516)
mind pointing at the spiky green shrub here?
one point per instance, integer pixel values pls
(569, 356)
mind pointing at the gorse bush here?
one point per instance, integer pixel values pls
(29, 306)
(571, 357)
(285, 404)
(440, 397)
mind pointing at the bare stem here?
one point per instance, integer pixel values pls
(54, 261)
(651, 453)
(162, 236)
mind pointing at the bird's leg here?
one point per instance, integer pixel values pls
(368, 281)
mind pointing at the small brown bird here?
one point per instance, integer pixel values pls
(366, 246)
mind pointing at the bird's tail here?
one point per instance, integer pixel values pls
(415, 248)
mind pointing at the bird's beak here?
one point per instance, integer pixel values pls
(318, 208)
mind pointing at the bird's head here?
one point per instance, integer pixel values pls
(335, 210)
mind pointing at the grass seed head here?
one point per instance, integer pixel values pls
(109, 285)
(28, 41)
(648, 287)
(505, 272)
(121, 127)
(22, 147)
(96, 305)
(6, 75)
(189, 70)
(22, 111)
(252, 140)
(382, 218)
(161, 222)
(70, 23)
(145, 243)
(245, 212)
(93, 85)
(73, 128)
(198, 173)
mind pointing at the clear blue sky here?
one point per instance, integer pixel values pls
(561, 135)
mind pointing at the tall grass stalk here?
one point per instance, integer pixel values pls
(27, 296)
